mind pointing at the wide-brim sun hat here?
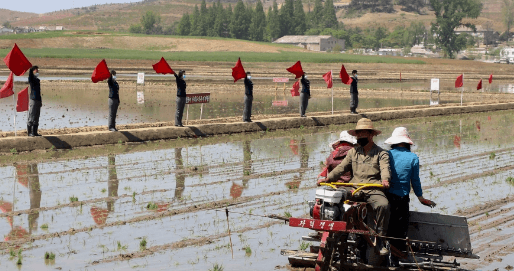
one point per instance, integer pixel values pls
(364, 124)
(400, 135)
(345, 137)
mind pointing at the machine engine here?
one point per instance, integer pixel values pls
(329, 204)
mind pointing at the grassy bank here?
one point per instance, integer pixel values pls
(210, 56)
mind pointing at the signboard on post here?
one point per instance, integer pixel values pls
(140, 93)
(434, 88)
(197, 98)
(280, 79)
(141, 78)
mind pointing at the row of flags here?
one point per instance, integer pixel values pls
(459, 82)
(19, 64)
(238, 72)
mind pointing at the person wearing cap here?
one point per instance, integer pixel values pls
(340, 148)
(305, 95)
(247, 111)
(354, 93)
(404, 174)
(114, 100)
(370, 165)
(181, 97)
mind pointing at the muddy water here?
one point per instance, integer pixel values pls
(174, 198)
(77, 104)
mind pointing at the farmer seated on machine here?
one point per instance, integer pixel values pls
(370, 165)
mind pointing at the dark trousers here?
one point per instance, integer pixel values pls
(399, 220)
(113, 110)
(247, 111)
(34, 112)
(354, 100)
(181, 103)
(380, 205)
(304, 102)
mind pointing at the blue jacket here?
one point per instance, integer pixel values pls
(404, 172)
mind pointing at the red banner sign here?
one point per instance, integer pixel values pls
(279, 103)
(198, 98)
(280, 79)
(315, 224)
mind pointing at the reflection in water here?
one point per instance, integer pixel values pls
(27, 176)
(180, 175)
(301, 149)
(236, 190)
(35, 196)
(456, 141)
(112, 183)
(100, 214)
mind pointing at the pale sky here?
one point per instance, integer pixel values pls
(42, 6)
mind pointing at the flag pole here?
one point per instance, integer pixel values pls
(14, 100)
(331, 75)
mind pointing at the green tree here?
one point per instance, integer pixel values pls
(203, 22)
(449, 15)
(150, 21)
(508, 14)
(184, 27)
(258, 25)
(136, 28)
(240, 21)
(299, 18)
(7, 24)
(412, 5)
(329, 15)
(195, 22)
(316, 15)
(287, 18)
(274, 22)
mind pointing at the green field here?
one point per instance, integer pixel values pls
(210, 56)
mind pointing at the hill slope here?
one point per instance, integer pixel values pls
(121, 16)
(13, 16)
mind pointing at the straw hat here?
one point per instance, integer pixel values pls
(400, 135)
(364, 124)
(344, 136)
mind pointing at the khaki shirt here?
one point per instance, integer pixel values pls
(371, 168)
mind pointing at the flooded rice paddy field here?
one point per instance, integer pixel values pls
(73, 104)
(160, 205)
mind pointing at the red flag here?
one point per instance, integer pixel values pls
(162, 67)
(23, 100)
(459, 82)
(344, 76)
(328, 78)
(479, 86)
(16, 61)
(6, 90)
(296, 69)
(294, 90)
(238, 72)
(101, 72)
(491, 78)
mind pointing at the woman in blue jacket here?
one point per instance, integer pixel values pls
(404, 174)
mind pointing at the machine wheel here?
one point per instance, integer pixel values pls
(373, 257)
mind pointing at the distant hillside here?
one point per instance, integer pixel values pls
(121, 16)
(13, 16)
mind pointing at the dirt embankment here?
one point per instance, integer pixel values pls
(66, 141)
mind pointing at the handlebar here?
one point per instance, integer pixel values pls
(362, 185)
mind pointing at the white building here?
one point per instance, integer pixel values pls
(313, 43)
(507, 55)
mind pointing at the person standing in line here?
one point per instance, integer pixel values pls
(305, 95)
(181, 97)
(114, 100)
(35, 103)
(247, 112)
(354, 93)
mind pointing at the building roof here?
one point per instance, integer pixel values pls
(301, 39)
